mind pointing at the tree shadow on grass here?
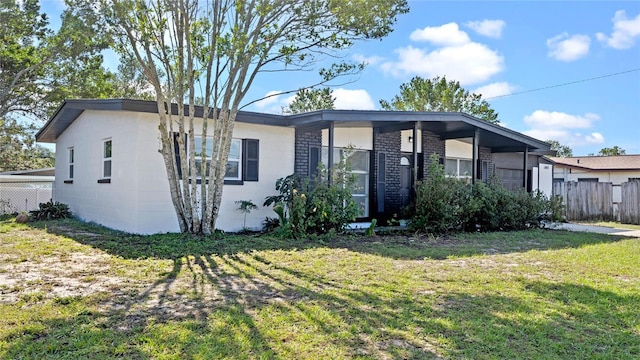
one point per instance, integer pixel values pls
(221, 299)
(396, 246)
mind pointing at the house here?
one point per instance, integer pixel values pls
(24, 190)
(613, 169)
(109, 170)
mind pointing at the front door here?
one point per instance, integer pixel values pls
(405, 180)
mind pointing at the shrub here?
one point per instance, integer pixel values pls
(314, 206)
(447, 204)
(556, 208)
(440, 201)
(50, 211)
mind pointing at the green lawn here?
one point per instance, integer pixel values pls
(74, 291)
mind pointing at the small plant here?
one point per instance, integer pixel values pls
(50, 211)
(245, 207)
(371, 231)
(556, 208)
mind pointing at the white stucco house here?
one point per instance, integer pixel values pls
(109, 169)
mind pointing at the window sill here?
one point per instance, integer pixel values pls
(104, 181)
(68, 181)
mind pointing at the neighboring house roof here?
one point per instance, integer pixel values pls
(446, 125)
(32, 172)
(603, 163)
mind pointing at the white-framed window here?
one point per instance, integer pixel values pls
(359, 164)
(106, 159)
(234, 163)
(459, 168)
(71, 162)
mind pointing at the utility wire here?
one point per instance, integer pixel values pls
(563, 84)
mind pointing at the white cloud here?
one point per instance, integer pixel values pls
(495, 89)
(625, 31)
(447, 35)
(568, 48)
(353, 99)
(546, 125)
(369, 60)
(270, 99)
(488, 28)
(560, 120)
(469, 63)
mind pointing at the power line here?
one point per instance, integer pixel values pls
(563, 84)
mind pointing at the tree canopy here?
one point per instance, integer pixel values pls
(310, 100)
(211, 52)
(612, 151)
(438, 94)
(562, 150)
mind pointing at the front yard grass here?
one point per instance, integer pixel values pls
(73, 290)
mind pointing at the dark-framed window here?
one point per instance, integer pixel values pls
(106, 158)
(242, 163)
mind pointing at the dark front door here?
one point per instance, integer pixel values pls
(405, 180)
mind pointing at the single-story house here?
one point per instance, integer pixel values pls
(109, 170)
(24, 190)
(613, 169)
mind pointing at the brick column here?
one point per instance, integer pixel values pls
(388, 144)
(304, 140)
(485, 155)
(431, 144)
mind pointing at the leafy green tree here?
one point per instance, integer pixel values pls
(39, 67)
(612, 151)
(438, 94)
(18, 150)
(310, 100)
(214, 51)
(562, 150)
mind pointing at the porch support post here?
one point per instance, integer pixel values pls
(414, 134)
(330, 155)
(474, 156)
(524, 167)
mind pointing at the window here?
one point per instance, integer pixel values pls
(71, 160)
(359, 163)
(460, 168)
(242, 163)
(106, 159)
(588, 180)
(634, 179)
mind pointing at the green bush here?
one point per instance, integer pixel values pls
(314, 206)
(447, 204)
(51, 211)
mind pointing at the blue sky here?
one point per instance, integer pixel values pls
(505, 48)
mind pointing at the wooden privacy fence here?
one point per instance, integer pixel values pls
(586, 200)
(630, 205)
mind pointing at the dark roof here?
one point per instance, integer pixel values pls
(32, 172)
(620, 162)
(446, 125)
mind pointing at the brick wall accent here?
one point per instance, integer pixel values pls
(431, 144)
(484, 154)
(390, 145)
(304, 140)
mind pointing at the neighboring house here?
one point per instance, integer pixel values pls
(613, 169)
(24, 190)
(109, 170)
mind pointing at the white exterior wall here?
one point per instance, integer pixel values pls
(406, 145)
(458, 149)
(359, 138)
(137, 200)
